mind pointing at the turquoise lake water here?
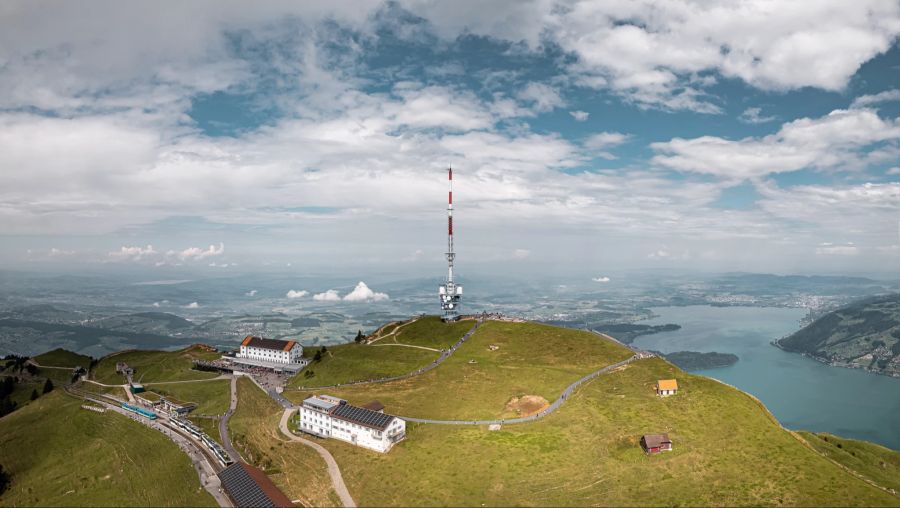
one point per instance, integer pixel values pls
(802, 393)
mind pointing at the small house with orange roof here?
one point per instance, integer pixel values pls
(666, 387)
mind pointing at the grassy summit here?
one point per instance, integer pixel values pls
(62, 358)
(729, 450)
(154, 366)
(61, 455)
(389, 355)
(528, 359)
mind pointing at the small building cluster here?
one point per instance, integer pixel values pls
(368, 427)
(164, 403)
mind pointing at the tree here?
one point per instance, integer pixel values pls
(324, 350)
(7, 386)
(6, 406)
(4, 479)
(359, 336)
(318, 357)
(48, 386)
(34, 394)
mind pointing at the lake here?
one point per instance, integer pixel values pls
(802, 393)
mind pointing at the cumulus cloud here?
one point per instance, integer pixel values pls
(192, 305)
(362, 293)
(869, 100)
(580, 116)
(296, 294)
(253, 292)
(542, 97)
(658, 53)
(837, 139)
(135, 253)
(328, 296)
(754, 116)
(196, 253)
(600, 279)
(521, 253)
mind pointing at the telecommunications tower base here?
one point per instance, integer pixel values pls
(450, 292)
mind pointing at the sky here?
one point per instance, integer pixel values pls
(216, 136)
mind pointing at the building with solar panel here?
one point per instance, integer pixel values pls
(331, 417)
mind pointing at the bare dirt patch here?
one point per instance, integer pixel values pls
(527, 405)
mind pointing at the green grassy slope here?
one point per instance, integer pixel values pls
(728, 451)
(153, 366)
(532, 359)
(296, 469)
(354, 362)
(429, 331)
(61, 455)
(383, 358)
(62, 358)
(876, 463)
(212, 397)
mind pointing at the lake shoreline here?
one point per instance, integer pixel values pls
(830, 363)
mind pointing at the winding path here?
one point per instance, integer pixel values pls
(337, 480)
(421, 370)
(223, 423)
(553, 407)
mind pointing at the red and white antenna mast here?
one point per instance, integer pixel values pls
(450, 293)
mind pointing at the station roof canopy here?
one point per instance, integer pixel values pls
(248, 486)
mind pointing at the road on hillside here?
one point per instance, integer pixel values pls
(223, 424)
(337, 480)
(421, 370)
(553, 407)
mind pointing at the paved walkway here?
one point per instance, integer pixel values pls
(553, 407)
(223, 376)
(223, 423)
(337, 480)
(407, 345)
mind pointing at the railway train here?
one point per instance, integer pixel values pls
(140, 411)
(216, 449)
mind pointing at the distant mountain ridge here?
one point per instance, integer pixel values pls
(863, 335)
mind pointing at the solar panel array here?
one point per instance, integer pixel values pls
(243, 489)
(362, 416)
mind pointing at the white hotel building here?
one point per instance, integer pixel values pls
(284, 355)
(327, 416)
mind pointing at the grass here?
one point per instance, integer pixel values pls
(355, 362)
(728, 451)
(154, 366)
(876, 463)
(358, 362)
(115, 391)
(61, 455)
(532, 359)
(212, 397)
(62, 358)
(296, 469)
(430, 331)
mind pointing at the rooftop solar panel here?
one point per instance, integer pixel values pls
(362, 416)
